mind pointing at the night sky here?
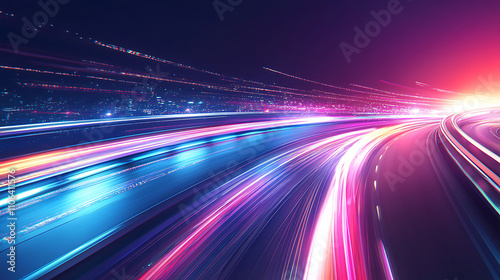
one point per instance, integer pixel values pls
(251, 139)
(446, 44)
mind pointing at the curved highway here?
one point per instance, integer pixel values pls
(254, 196)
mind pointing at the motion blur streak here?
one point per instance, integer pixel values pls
(483, 158)
(338, 234)
(254, 187)
(57, 162)
(257, 196)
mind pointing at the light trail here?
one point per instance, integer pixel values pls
(310, 202)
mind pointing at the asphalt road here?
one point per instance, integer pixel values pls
(255, 197)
